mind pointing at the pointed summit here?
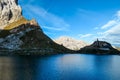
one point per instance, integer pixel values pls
(99, 47)
(22, 36)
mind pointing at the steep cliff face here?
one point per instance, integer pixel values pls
(20, 35)
(28, 36)
(10, 11)
(10, 36)
(70, 43)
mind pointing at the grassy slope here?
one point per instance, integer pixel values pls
(33, 38)
(118, 48)
(5, 31)
(22, 20)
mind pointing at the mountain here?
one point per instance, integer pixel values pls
(118, 48)
(70, 43)
(99, 47)
(10, 12)
(21, 36)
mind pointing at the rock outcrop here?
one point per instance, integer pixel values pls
(21, 36)
(10, 11)
(70, 43)
(99, 47)
(28, 37)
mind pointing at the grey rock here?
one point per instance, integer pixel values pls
(99, 47)
(70, 43)
(23, 36)
(10, 11)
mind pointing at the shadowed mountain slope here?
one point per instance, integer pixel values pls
(99, 47)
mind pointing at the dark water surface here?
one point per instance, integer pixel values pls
(61, 67)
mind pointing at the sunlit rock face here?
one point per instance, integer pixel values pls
(19, 35)
(70, 43)
(28, 36)
(10, 11)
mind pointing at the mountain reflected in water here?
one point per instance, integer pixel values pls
(60, 67)
(17, 68)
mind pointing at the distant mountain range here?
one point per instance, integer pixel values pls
(71, 43)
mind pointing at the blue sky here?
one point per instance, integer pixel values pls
(81, 19)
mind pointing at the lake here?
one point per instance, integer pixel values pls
(60, 67)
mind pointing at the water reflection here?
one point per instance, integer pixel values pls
(17, 68)
(79, 67)
(60, 67)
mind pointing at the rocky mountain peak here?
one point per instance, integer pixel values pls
(19, 35)
(99, 47)
(70, 43)
(10, 12)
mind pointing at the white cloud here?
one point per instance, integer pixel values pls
(96, 28)
(48, 18)
(54, 28)
(118, 14)
(100, 33)
(85, 35)
(114, 30)
(109, 24)
(113, 22)
(112, 34)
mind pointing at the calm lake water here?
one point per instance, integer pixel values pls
(61, 67)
